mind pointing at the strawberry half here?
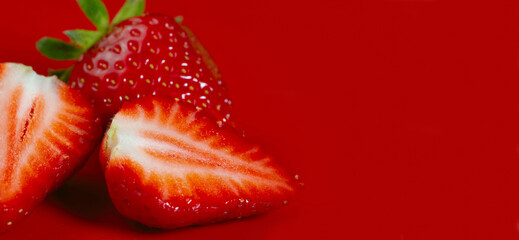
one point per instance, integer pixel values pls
(144, 55)
(168, 165)
(46, 131)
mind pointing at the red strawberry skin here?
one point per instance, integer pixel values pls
(47, 129)
(150, 55)
(168, 165)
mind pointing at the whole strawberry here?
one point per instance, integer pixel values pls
(140, 56)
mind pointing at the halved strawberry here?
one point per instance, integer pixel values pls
(168, 165)
(46, 130)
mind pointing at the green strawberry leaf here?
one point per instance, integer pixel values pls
(96, 11)
(131, 8)
(83, 38)
(57, 49)
(179, 19)
(62, 74)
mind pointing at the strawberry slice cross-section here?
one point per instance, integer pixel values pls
(168, 165)
(46, 132)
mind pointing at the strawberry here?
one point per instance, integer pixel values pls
(143, 55)
(46, 130)
(168, 165)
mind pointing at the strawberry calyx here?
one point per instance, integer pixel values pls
(82, 40)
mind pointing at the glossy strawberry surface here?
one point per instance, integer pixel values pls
(47, 131)
(169, 165)
(150, 55)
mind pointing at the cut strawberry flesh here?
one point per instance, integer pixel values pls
(169, 165)
(47, 131)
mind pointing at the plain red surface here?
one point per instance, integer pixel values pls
(402, 116)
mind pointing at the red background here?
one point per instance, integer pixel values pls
(402, 116)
